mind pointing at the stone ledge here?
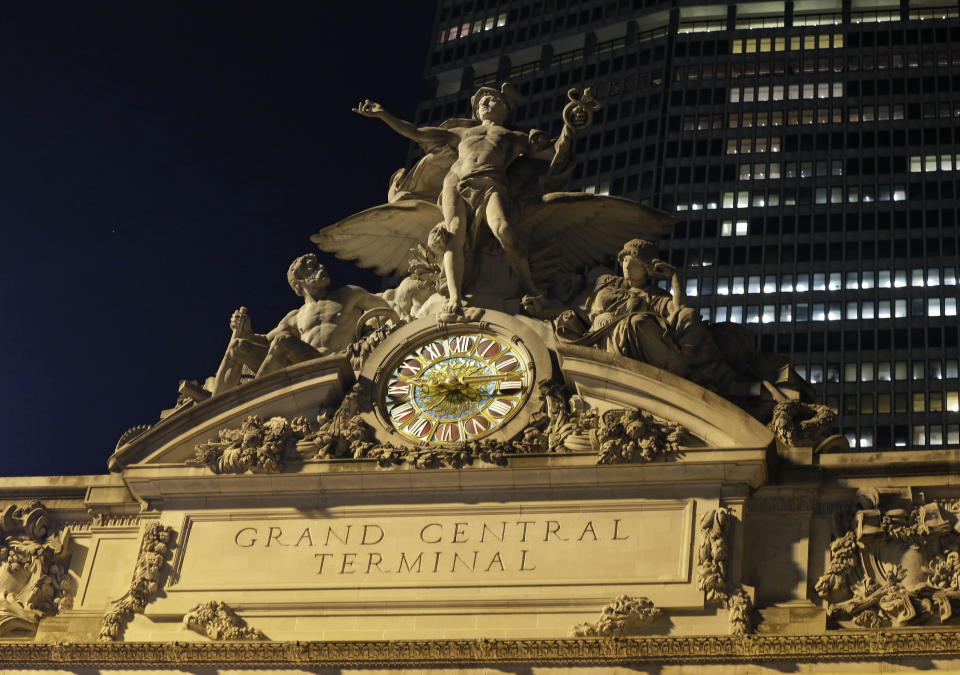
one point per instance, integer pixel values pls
(869, 646)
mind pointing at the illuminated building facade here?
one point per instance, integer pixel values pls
(808, 148)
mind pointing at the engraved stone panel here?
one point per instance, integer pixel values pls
(606, 543)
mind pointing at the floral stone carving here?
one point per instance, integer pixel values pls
(34, 578)
(256, 445)
(146, 581)
(712, 572)
(799, 424)
(218, 621)
(618, 617)
(897, 566)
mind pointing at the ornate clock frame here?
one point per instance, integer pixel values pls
(389, 354)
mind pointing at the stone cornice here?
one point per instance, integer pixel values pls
(873, 645)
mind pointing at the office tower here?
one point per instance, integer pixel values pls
(808, 149)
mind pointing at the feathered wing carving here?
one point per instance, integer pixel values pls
(584, 230)
(381, 237)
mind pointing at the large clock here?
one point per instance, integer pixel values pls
(456, 384)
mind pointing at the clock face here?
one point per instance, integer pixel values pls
(457, 388)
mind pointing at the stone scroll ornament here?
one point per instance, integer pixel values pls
(713, 573)
(899, 565)
(34, 563)
(217, 621)
(618, 617)
(154, 550)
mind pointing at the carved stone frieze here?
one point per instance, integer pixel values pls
(154, 549)
(866, 646)
(635, 436)
(898, 565)
(712, 571)
(34, 562)
(618, 617)
(218, 621)
(256, 445)
(801, 424)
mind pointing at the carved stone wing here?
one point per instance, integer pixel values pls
(585, 229)
(380, 237)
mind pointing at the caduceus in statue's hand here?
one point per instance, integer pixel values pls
(476, 184)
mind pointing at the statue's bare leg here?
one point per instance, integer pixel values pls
(240, 353)
(455, 221)
(285, 350)
(516, 255)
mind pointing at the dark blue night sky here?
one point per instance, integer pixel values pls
(162, 163)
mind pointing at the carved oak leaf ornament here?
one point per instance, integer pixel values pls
(618, 617)
(217, 621)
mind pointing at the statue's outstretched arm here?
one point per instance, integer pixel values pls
(420, 135)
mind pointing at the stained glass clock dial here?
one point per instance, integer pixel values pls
(457, 388)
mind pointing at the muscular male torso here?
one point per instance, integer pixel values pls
(486, 148)
(328, 324)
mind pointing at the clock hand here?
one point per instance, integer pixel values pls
(488, 378)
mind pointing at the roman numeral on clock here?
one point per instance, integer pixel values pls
(487, 348)
(398, 390)
(420, 428)
(434, 350)
(500, 407)
(476, 425)
(510, 386)
(448, 432)
(402, 412)
(507, 363)
(461, 344)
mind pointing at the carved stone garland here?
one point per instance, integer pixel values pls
(34, 565)
(712, 572)
(618, 617)
(798, 424)
(898, 566)
(217, 621)
(562, 424)
(146, 581)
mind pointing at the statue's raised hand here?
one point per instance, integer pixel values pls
(240, 322)
(369, 109)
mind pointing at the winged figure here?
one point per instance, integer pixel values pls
(484, 193)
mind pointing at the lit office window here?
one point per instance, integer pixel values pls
(802, 311)
(884, 279)
(834, 284)
(705, 313)
(866, 310)
(883, 309)
(753, 284)
(900, 370)
(850, 372)
(949, 306)
(933, 306)
(851, 311)
(737, 287)
(936, 434)
(803, 283)
(769, 314)
(786, 283)
(933, 277)
(866, 372)
(919, 402)
(736, 314)
(953, 401)
(852, 281)
(899, 278)
(691, 289)
(721, 314)
(916, 277)
(816, 374)
(786, 315)
(819, 312)
(883, 371)
(833, 313)
(918, 370)
(899, 309)
(819, 281)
